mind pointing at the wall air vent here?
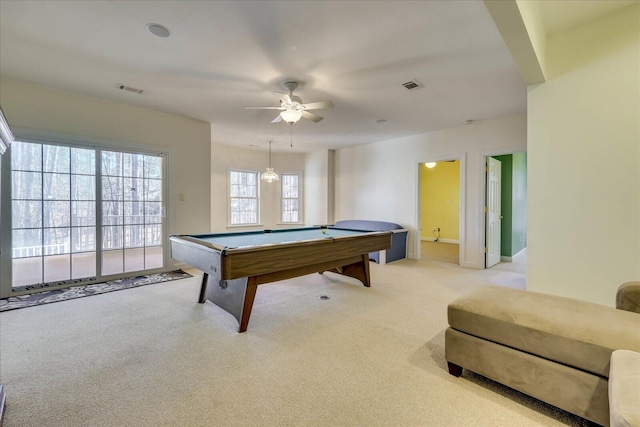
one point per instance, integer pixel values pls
(130, 89)
(412, 85)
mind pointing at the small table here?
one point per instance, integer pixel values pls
(234, 264)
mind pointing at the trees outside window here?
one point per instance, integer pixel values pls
(243, 198)
(290, 191)
(63, 202)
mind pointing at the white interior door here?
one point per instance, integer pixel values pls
(493, 212)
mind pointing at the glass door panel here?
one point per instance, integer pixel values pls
(53, 200)
(131, 212)
(54, 205)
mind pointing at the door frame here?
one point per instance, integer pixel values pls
(483, 180)
(461, 211)
(493, 236)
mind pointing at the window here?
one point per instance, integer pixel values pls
(81, 213)
(290, 198)
(243, 195)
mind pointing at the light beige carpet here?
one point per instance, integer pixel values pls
(152, 356)
(440, 251)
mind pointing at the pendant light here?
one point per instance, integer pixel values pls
(270, 174)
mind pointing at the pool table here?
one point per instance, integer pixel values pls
(234, 264)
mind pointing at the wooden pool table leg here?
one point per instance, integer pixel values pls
(358, 270)
(249, 296)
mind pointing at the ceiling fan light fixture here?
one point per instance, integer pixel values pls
(291, 116)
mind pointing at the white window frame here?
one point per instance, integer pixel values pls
(6, 136)
(230, 199)
(299, 198)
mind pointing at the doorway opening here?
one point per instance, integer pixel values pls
(440, 211)
(505, 212)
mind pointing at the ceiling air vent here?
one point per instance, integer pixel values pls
(130, 89)
(412, 85)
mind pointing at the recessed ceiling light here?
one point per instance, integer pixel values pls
(158, 30)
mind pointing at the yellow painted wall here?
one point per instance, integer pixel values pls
(440, 200)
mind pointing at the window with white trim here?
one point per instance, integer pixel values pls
(290, 186)
(243, 198)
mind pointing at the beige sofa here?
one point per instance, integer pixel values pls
(555, 349)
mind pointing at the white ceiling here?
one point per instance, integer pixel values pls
(222, 56)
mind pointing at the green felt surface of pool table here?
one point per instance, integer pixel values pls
(271, 237)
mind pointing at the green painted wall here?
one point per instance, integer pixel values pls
(514, 203)
(519, 200)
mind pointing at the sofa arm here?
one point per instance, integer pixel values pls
(628, 297)
(624, 393)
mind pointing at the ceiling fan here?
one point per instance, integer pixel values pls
(292, 108)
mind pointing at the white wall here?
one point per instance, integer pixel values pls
(34, 110)
(584, 162)
(225, 158)
(319, 185)
(380, 181)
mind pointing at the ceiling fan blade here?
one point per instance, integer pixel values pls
(285, 99)
(318, 105)
(311, 116)
(263, 108)
(278, 119)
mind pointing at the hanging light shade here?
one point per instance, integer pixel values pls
(270, 175)
(291, 116)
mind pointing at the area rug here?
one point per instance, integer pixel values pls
(73, 292)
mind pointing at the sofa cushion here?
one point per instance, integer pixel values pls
(624, 389)
(568, 331)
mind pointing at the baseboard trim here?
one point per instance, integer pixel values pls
(433, 239)
(472, 265)
(511, 258)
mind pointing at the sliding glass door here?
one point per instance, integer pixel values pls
(79, 214)
(131, 212)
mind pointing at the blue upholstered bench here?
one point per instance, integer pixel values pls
(398, 248)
